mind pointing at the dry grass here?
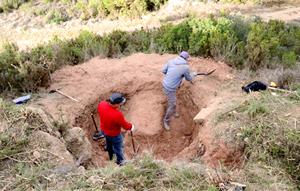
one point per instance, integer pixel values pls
(268, 126)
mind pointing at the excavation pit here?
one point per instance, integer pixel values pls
(139, 78)
(145, 109)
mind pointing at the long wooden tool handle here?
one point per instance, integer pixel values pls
(201, 74)
(94, 122)
(133, 146)
(283, 90)
(67, 95)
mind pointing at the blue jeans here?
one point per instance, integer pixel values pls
(114, 145)
(171, 110)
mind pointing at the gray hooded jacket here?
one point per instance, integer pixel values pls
(175, 70)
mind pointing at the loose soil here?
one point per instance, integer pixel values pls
(139, 78)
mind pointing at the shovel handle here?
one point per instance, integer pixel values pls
(133, 146)
(94, 122)
(60, 92)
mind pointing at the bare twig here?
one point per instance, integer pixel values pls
(18, 160)
(51, 153)
(16, 154)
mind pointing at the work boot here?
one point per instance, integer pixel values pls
(122, 163)
(166, 126)
(98, 135)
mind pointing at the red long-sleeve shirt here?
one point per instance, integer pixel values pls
(111, 119)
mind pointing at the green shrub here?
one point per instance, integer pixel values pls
(140, 41)
(255, 108)
(57, 16)
(8, 63)
(289, 58)
(272, 43)
(199, 39)
(9, 5)
(117, 42)
(175, 38)
(117, 8)
(261, 46)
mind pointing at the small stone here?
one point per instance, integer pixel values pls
(81, 170)
(36, 154)
(94, 180)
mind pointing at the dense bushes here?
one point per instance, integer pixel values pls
(8, 5)
(272, 43)
(125, 7)
(88, 9)
(174, 38)
(240, 43)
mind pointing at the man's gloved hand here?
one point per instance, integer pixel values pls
(194, 74)
(132, 128)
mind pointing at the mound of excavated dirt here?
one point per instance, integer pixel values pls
(139, 78)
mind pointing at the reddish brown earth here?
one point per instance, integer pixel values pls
(139, 78)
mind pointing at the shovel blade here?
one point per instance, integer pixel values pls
(210, 72)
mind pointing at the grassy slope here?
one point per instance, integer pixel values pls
(267, 125)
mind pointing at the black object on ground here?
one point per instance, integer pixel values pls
(254, 86)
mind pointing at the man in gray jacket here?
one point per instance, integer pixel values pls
(175, 70)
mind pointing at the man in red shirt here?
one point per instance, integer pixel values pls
(111, 122)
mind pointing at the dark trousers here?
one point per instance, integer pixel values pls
(171, 110)
(114, 145)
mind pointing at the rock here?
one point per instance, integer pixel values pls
(81, 170)
(3, 126)
(234, 186)
(43, 117)
(65, 169)
(203, 114)
(78, 144)
(36, 154)
(93, 180)
(50, 148)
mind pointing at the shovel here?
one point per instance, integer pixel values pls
(135, 151)
(133, 146)
(206, 74)
(98, 134)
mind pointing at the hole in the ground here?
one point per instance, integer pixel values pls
(145, 108)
